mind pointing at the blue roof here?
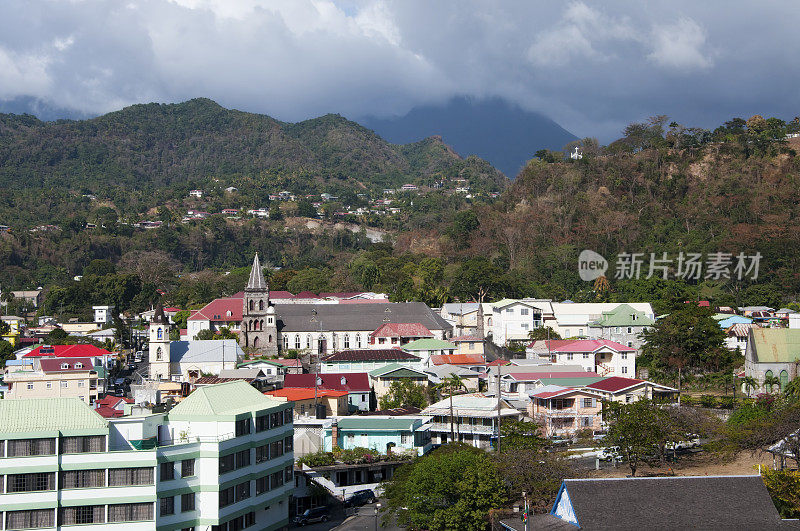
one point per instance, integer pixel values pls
(734, 319)
(210, 350)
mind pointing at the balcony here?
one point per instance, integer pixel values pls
(463, 428)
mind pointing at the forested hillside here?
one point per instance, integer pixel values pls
(659, 189)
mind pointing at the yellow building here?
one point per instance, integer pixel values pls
(55, 378)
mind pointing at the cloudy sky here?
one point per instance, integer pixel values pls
(591, 66)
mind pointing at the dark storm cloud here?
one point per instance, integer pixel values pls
(591, 66)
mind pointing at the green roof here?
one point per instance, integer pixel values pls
(397, 370)
(372, 423)
(429, 344)
(776, 345)
(622, 316)
(222, 400)
(572, 382)
(37, 415)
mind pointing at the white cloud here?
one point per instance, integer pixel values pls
(23, 74)
(680, 46)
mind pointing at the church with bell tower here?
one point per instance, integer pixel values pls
(159, 351)
(259, 330)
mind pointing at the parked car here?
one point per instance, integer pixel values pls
(312, 516)
(607, 454)
(360, 497)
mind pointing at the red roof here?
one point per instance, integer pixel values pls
(354, 382)
(586, 345)
(388, 354)
(402, 330)
(497, 362)
(549, 394)
(459, 339)
(458, 359)
(67, 365)
(224, 309)
(287, 362)
(112, 401)
(280, 295)
(304, 393)
(615, 383)
(306, 295)
(529, 376)
(172, 309)
(67, 351)
(108, 412)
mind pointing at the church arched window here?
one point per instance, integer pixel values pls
(260, 305)
(160, 334)
(297, 341)
(251, 306)
(159, 353)
(308, 341)
(255, 342)
(261, 324)
(286, 342)
(269, 340)
(347, 341)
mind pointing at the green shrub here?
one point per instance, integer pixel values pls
(708, 401)
(726, 402)
(688, 401)
(316, 459)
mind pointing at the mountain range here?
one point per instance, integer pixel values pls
(493, 129)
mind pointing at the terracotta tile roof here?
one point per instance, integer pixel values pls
(402, 330)
(354, 382)
(458, 359)
(614, 384)
(224, 309)
(304, 393)
(389, 354)
(67, 351)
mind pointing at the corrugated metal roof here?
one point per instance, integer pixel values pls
(222, 399)
(623, 315)
(377, 423)
(776, 345)
(397, 371)
(47, 414)
(355, 317)
(571, 382)
(388, 354)
(429, 344)
(208, 350)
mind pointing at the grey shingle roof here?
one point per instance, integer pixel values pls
(256, 282)
(701, 502)
(209, 350)
(355, 317)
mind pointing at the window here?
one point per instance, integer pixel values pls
(347, 341)
(358, 340)
(78, 479)
(30, 385)
(628, 399)
(243, 458)
(187, 502)
(242, 491)
(277, 479)
(64, 384)
(83, 444)
(242, 427)
(262, 485)
(85, 514)
(65, 365)
(524, 326)
(226, 497)
(118, 477)
(523, 311)
(24, 447)
(262, 453)
(296, 341)
(288, 444)
(288, 474)
(31, 482)
(187, 468)
(630, 343)
(405, 438)
(81, 383)
(160, 333)
(276, 449)
(167, 506)
(569, 355)
(586, 355)
(159, 353)
(288, 415)
(49, 385)
(580, 331)
(630, 329)
(130, 512)
(286, 342)
(30, 519)
(167, 471)
(79, 365)
(276, 419)
(624, 370)
(262, 423)
(588, 402)
(624, 355)
(226, 463)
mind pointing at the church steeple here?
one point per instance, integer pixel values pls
(256, 282)
(158, 315)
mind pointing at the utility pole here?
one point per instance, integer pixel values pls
(499, 399)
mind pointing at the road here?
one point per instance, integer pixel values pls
(366, 520)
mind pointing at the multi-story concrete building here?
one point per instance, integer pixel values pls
(65, 377)
(220, 460)
(469, 418)
(624, 324)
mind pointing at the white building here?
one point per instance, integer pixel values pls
(471, 420)
(572, 319)
(103, 314)
(222, 460)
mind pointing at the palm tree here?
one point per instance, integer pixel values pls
(792, 390)
(749, 384)
(770, 382)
